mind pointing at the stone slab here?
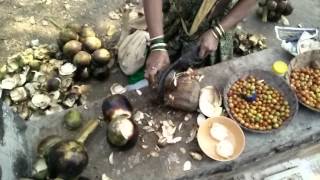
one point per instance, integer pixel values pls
(138, 164)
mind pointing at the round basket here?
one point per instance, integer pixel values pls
(272, 80)
(301, 61)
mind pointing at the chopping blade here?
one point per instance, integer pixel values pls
(189, 59)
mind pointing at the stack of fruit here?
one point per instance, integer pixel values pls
(85, 50)
(306, 82)
(256, 105)
(272, 10)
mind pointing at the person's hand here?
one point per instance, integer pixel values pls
(208, 44)
(157, 60)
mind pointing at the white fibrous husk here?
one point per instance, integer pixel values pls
(117, 89)
(39, 77)
(200, 119)
(192, 135)
(67, 69)
(41, 53)
(196, 156)
(55, 95)
(70, 100)
(10, 82)
(47, 68)
(54, 108)
(210, 102)
(18, 94)
(66, 83)
(131, 52)
(13, 64)
(187, 166)
(25, 75)
(41, 101)
(32, 87)
(167, 134)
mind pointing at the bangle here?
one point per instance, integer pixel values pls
(219, 32)
(221, 28)
(157, 37)
(214, 34)
(158, 45)
(156, 41)
(164, 50)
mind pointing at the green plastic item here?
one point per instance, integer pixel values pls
(136, 77)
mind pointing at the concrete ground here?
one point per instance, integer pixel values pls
(24, 20)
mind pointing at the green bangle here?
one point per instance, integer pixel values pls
(156, 41)
(157, 48)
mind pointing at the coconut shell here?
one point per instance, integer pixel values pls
(71, 48)
(92, 43)
(101, 56)
(82, 58)
(67, 35)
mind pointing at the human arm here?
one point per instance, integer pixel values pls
(209, 43)
(157, 60)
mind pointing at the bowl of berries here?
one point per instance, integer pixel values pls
(260, 101)
(304, 78)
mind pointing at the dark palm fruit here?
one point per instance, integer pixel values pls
(262, 2)
(71, 48)
(82, 58)
(68, 158)
(92, 43)
(259, 12)
(288, 10)
(46, 144)
(53, 84)
(75, 27)
(273, 16)
(281, 6)
(87, 31)
(116, 105)
(122, 132)
(100, 73)
(67, 35)
(73, 119)
(82, 74)
(101, 56)
(272, 5)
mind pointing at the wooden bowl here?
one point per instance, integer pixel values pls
(208, 144)
(301, 61)
(271, 79)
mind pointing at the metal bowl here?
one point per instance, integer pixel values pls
(301, 61)
(272, 80)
